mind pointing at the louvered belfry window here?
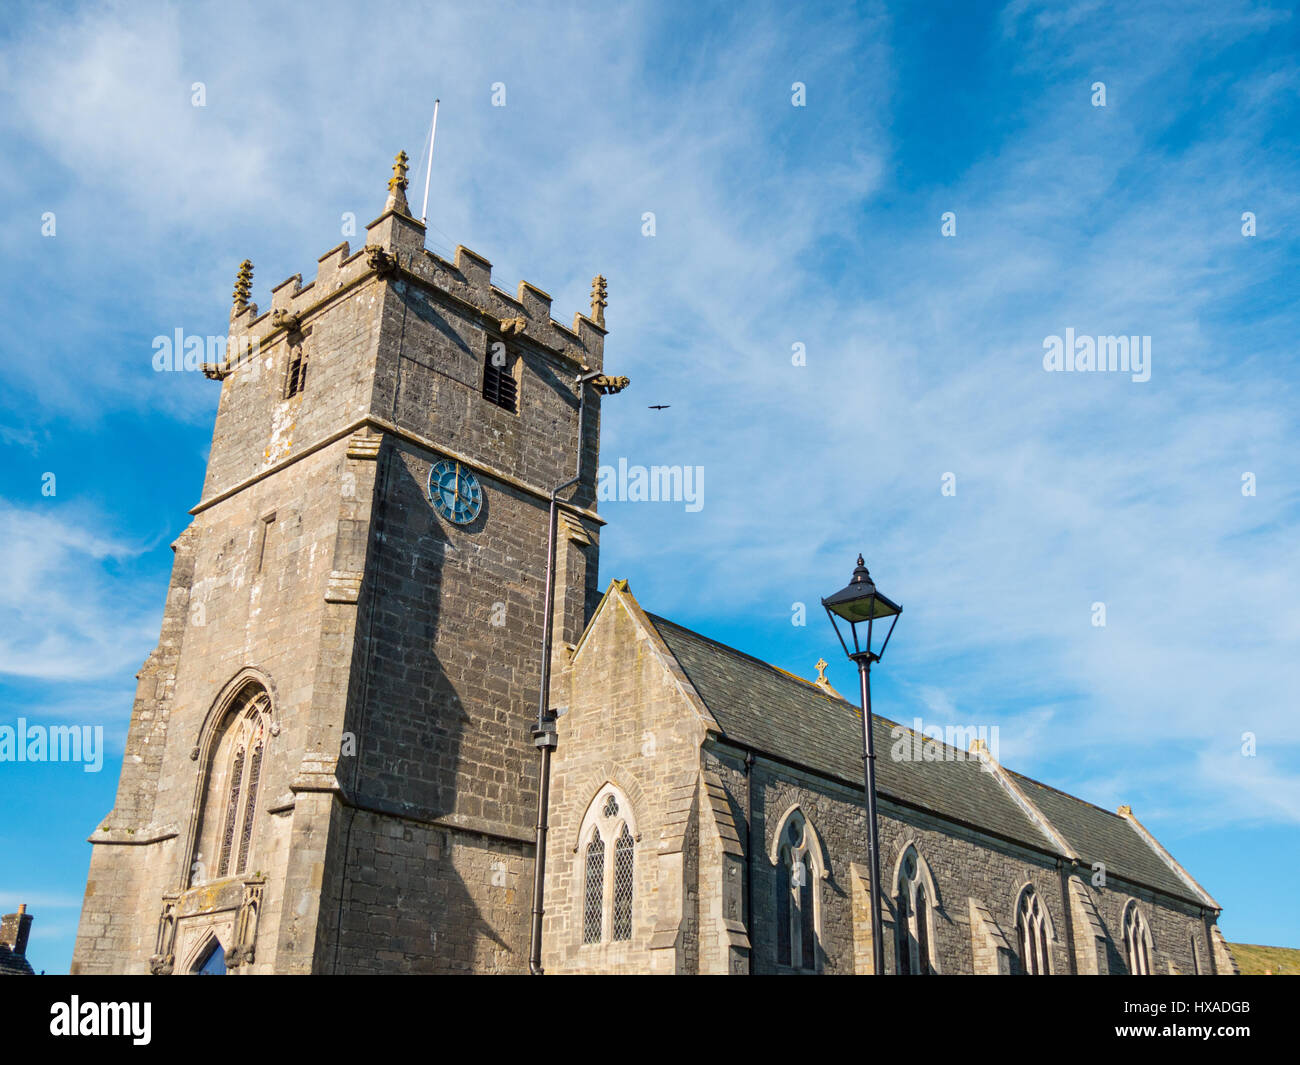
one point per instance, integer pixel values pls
(296, 376)
(499, 385)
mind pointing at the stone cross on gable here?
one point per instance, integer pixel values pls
(821, 671)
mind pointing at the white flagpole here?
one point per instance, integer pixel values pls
(433, 132)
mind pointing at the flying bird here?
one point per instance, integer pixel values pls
(660, 406)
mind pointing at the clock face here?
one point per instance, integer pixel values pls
(455, 492)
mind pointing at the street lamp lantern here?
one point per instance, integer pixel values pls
(860, 605)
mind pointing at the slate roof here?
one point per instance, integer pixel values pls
(12, 964)
(769, 710)
(1098, 835)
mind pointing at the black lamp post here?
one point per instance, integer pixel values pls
(859, 603)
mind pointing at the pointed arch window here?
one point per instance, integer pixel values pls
(914, 916)
(799, 872)
(214, 961)
(593, 907)
(1137, 941)
(922, 931)
(901, 936)
(227, 825)
(1033, 931)
(623, 866)
(609, 868)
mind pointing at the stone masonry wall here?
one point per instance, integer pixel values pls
(256, 424)
(625, 723)
(256, 603)
(964, 864)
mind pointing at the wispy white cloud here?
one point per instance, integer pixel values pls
(63, 615)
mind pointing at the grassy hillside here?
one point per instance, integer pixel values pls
(1255, 960)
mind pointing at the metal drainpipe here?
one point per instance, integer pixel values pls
(544, 735)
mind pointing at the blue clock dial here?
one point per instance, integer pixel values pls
(455, 492)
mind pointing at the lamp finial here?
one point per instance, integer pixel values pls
(861, 575)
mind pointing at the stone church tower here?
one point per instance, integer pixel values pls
(329, 766)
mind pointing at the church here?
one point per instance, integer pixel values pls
(333, 764)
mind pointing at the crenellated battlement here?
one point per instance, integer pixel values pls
(468, 280)
(394, 252)
(292, 302)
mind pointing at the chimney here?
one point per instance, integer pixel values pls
(14, 929)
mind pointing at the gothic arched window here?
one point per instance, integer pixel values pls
(902, 936)
(1034, 933)
(593, 905)
(228, 813)
(799, 872)
(922, 931)
(623, 858)
(609, 868)
(913, 905)
(214, 961)
(1137, 941)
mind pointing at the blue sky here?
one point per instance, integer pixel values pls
(775, 225)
